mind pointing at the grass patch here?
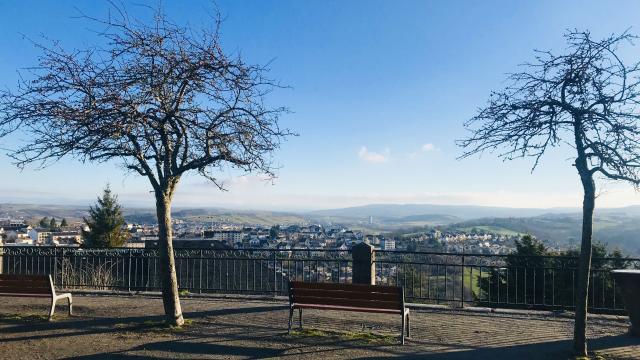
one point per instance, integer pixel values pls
(359, 336)
(25, 317)
(371, 338)
(309, 333)
(184, 292)
(471, 277)
(591, 357)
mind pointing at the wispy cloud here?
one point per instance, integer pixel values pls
(426, 148)
(429, 147)
(374, 157)
(241, 183)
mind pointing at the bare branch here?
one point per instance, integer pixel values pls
(160, 98)
(588, 93)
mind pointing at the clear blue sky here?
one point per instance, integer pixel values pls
(380, 90)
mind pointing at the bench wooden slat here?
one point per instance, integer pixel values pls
(346, 308)
(352, 303)
(25, 290)
(20, 277)
(25, 282)
(346, 294)
(24, 295)
(350, 287)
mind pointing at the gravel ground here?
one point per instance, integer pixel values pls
(129, 327)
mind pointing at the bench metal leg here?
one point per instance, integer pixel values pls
(53, 308)
(300, 317)
(408, 326)
(70, 306)
(403, 329)
(290, 320)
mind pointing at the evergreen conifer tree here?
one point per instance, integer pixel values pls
(53, 224)
(44, 222)
(64, 223)
(105, 222)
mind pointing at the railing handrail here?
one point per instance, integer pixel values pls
(432, 253)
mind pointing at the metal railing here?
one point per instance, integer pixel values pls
(252, 271)
(501, 281)
(507, 281)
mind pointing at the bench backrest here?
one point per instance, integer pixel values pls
(350, 295)
(26, 284)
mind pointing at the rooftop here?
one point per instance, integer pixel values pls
(128, 327)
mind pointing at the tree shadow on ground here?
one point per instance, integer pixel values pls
(99, 325)
(551, 350)
(547, 350)
(177, 347)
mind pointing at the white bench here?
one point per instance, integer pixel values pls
(33, 286)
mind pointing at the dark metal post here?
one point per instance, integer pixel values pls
(55, 264)
(129, 273)
(1, 255)
(462, 284)
(62, 268)
(275, 275)
(364, 268)
(200, 274)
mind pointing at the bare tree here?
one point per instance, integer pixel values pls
(162, 100)
(586, 98)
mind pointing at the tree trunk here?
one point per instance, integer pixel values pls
(584, 264)
(170, 297)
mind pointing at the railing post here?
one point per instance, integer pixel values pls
(62, 268)
(364, 267)
(129, 273)
(275, 275)
(200, 273)
(462, 284)
(55, 265)
(1, 255)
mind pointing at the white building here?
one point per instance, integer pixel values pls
(230, 236)
(66, 238)
(388, 244)
(40, 236)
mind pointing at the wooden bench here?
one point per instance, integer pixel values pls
(33, 286)
(348, 297)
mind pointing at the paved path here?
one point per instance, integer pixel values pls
(127, 328)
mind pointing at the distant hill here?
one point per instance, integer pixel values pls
(434, 218)
(397, 211)
(32, 212)
(619, 227)
(242, 217)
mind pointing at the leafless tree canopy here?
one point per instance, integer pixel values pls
(164, 99)
(589, 95)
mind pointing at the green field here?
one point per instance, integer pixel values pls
(491, 230)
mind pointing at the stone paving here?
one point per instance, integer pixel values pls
(127, 327)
